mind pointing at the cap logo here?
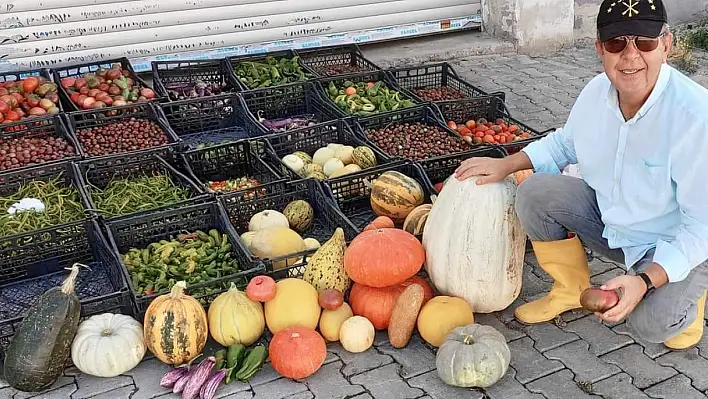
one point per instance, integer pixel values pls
(631, 7)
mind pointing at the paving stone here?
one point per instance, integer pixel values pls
(509, 387)
(586, 366)
(329, 383)
(415, 358)
(492, 320)
(266, 375)
(280, 388)
(146, 377)
(574, 315)
(547, 336)
(689, 363)
(650, 349)
(529, 363)
(62, 382)
(599, 266)
(90, 386)
(601, 338)
(243, 395)
(619, 386)
(507, 315)
(602, 278)
(437, 389)
(380, 338)
(231, 389)
(120, 393)
(356, 363)
(559, 385)
(678, 386)
(644, 371)
(385, 383)
(365, 396)
(532, 285)
(301, 395)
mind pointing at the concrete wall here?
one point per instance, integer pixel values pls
(680, 11)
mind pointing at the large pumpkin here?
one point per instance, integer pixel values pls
(176, 327)
(107, 345)
(295, 304)
(476, 252)
(297, 352)
(383, 257)
(376, 304)
(235, 319)
(395, 195)
(473, 356)
(441, 315)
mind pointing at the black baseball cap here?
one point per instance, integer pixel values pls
(631, 17)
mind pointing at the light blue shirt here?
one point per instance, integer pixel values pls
(650, 173)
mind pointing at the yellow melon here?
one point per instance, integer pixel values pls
(275, 242)
(295, 304)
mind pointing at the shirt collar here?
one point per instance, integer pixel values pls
(662, 82)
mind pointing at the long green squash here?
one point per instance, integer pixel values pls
(37, 353)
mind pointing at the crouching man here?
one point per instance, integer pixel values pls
(639, 135)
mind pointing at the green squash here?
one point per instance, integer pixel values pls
(364, 157)
(37, 353)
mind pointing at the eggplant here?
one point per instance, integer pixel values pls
(199, 377)
(209, 388)
(172, 376)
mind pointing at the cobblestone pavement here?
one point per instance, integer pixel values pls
(575, 357)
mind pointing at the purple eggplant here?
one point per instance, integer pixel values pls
(182, 382)
(199, 377)
(172, 376)
(209, 388)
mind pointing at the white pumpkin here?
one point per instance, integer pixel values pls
(107, 345)
(294, 163)
(356, 334)
(476, 252)
(332, 165)
(322, 155)
(266, 219)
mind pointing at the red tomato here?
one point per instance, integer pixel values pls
(12, 116)
(29, 85)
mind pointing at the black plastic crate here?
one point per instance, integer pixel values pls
(140, 231)
(229, 161)
(311, 139)
(97, 173)
(77, 121)
(8, 79)
(424, 114)
(414, 79)
(440, 168)
(336, 60)
(174, 80)
(327, 218)
(281, 102)
(352, 193)
(207, 120)
(101, 288)
(51, 128)
(32, 243)
(336, 84)
(233, 62)
(77, 71)
(460, 111)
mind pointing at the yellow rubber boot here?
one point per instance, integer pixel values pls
(693, 333)
(566, 263)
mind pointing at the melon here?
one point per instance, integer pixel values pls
(300, 215)
(395, 195)
(364, 157)
(295, 304)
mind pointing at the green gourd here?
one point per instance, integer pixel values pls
(38, 351)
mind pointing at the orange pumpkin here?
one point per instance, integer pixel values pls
(522, 175)
(261, 289)
(297, 352)
(383, 257)
(376, 304)
(381, 222)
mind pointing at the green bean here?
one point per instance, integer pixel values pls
(62, 205)
(135, 194)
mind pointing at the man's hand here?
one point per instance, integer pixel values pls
(633, 289)
(490, 170)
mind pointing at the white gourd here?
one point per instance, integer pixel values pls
(107, 345)
(323, 155)
(294, 163)
(475, 244)
(332, 165)
(266, 219)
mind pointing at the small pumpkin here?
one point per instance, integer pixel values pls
(297, 352)
(267, 218)
(522, 175)
(364, 157)
(383, 257)
(331, 321)
(235, 319)
(381, 222)
(357, 334)
(295, 303)
(441, 315)
(473, 356)
(300, 215)
(176, 326)
(376, 304)
(107, 345)
(395, 195)
(261, 289)
(415, 221)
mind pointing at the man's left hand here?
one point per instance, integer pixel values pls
(633, 289)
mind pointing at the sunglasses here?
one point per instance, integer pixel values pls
(643, 44)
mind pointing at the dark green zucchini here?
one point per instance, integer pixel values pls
(37, 353)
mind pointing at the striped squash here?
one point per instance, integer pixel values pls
(415, 221)
(175, 326)
(364, 157)
(395, 195)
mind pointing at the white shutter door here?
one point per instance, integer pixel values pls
(47, 33)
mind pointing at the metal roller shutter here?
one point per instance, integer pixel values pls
(47, 33)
